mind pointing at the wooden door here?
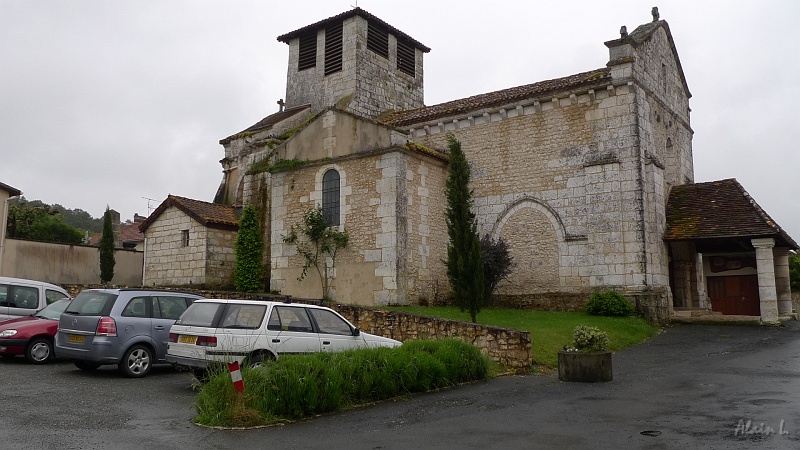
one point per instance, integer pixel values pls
(736, 295)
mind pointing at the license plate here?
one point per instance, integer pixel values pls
(187, 339)
(76, 339)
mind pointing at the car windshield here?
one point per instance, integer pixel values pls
(199, 315)
(53, 310)
(91, 303)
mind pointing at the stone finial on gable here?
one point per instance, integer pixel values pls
(654, 11)
(623, 32)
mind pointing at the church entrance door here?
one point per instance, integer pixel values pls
(736, 295)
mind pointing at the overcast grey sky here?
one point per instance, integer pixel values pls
(110, 102)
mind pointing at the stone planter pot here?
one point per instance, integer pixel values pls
(584, 367)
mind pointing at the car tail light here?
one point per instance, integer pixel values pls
(106, 327)
(173, 337)
(207, 341)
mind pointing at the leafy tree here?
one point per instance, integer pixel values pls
(76, 218)
(317, 243)
(53, 228)
(497, 264)
(107, 249)
(248, 249)
(794, 270)
(38, 222)
(464, 264)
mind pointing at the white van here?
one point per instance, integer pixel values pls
(20, 297)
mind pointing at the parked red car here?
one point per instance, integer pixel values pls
(32, 336)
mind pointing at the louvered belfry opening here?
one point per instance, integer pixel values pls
(406, 58)
(307, 52)
(378, 40)
(333, 48)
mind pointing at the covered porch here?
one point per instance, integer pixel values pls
(729, 261)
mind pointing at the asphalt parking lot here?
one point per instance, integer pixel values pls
(690, 387)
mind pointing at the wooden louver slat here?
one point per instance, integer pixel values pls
(406, 58)
(307, 54)
(333, 48)
(378, 40)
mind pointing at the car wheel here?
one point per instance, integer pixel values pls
(258, 359)
(137, 361)
(87, 366)
(39, 351)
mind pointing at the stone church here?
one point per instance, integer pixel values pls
(588, 178)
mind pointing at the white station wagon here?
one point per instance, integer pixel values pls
(215, 331)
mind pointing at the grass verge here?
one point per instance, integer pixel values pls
(550, 330)
(299, 386)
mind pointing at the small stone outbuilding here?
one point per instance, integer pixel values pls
(189, 243)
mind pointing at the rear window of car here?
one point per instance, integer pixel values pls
(243, 316)
(200, 315)
(89, 303)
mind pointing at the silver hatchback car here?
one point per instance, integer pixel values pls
(126, 327)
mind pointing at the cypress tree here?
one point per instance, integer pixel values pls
(247, 269)
(464, 262)
(107, 249)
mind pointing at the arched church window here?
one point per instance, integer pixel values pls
(330, 197)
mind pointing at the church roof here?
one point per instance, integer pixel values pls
(497, 98)
(212, 215)
(268, 121)
(718, 209)
(346, 15)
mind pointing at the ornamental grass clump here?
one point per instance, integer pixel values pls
(589, 339)
(299, 386)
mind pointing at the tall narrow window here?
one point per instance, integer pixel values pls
(184, 238)
(330, 197)
(664, 77)
(307, 52)
(377, 40)
(333, 48)
(406, 58)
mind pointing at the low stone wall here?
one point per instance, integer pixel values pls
(796, 301)
(510, 348)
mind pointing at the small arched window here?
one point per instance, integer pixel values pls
(330, 197)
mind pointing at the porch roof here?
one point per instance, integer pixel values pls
(718, 211)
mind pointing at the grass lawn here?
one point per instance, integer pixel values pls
(550, 330)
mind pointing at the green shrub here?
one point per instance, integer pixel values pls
(589, 339)
(608, 303)
(298, 386)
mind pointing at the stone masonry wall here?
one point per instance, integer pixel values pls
(563, 168)
(509, 348)
(393, 224)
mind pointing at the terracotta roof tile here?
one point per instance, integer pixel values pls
(345, 15)
(718, 209)
(497, 98)
(130, 232)
(212, 215)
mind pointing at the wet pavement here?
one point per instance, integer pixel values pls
(692, 386)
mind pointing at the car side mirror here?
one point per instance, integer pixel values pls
(356, 332)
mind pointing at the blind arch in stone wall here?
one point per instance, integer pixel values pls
(534, 234)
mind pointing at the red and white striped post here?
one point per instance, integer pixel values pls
(236, 376)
